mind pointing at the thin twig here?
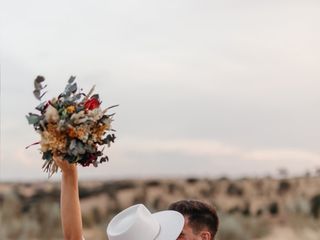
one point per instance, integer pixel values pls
(90, 92)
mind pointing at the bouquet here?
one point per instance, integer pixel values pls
(73, 126)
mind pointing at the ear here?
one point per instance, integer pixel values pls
(205, 235)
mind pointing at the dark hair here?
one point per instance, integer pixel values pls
(200, 215)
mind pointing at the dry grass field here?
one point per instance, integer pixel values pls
(266, 209)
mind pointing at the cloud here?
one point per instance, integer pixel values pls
(283, 155)
(197, 148)
(148, 157)
(215, 148)
(189, 156)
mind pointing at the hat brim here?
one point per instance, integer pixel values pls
(171, 224)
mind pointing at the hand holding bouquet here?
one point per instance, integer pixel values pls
(72, 126)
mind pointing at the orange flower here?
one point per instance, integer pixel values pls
(72, 133)
(80, 133)
(52, 139)
(71, 109)
(98, 132)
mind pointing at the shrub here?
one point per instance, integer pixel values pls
(192, 180)
(315, 206)
(234, 190)
(152, 183)
(273, 208)
(284, 186)
(246, 210)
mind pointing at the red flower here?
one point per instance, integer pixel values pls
(91, 104)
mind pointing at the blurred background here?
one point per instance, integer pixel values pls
(218, 101)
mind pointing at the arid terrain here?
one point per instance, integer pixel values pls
(264, 208)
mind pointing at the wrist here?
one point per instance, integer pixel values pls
(70, 171)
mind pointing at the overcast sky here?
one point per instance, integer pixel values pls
(206, 88)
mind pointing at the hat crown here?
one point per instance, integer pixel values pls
(133, 223)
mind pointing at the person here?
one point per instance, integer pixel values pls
(133, 223)
(137, 223)
(201, 220)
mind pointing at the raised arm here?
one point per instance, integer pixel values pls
(69, 199)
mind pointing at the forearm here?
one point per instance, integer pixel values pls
(70, 206)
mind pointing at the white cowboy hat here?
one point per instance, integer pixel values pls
(137, 223)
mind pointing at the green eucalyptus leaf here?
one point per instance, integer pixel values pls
(41, 106)
(38, 87)
(33, 118)
(71, 79)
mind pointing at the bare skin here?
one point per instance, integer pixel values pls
(188, 233)
(71, 212)
(70, 204)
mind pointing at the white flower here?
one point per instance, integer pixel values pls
(79, 117)
(51, 114)
(95, 114)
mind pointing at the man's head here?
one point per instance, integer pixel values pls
(201, 220)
